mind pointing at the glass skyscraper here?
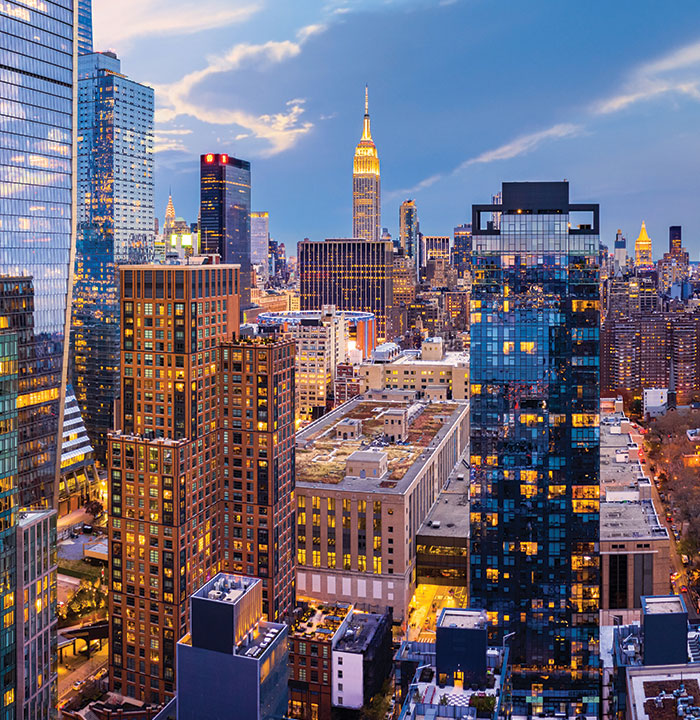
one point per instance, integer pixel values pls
(115, 224)
(224, 220)
(84, 27)
(535, 447)
(36, 190)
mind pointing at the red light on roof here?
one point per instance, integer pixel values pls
(209, 158)
(224, 159)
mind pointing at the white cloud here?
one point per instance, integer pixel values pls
(117, 23)
(674, 73)
(170, 139)
(524, 144)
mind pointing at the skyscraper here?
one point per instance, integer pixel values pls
(534, 442)
(84, 27)
(225, 213)
(408, 228)
(620, 254)
(350, 274)
(260, 240)
(37, 83)
(115, 224)
(366, 191)
(164, 465)
(642, 249)
(674, 238)
(462, 249)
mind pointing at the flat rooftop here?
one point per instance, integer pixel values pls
(360, 632)
(646, 684)
(634, 520)
(322, 458)
(614, 471)
(28, 517)
(664, 605)
(226, 587)
(451, 511)
(452, 358)
(320, 622)
(463, 618)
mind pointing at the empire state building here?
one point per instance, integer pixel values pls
(366, 195)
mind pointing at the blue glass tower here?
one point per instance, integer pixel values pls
(115, 224)
(535, 441)
(84, 27)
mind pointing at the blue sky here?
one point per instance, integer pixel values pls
(463, 95)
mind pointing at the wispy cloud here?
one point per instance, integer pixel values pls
(675, 73)
(524, 144)
(171, 139)
(117, 23)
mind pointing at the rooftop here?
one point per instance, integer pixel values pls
(655, 693)
(359, 632)
(633, 520)
(664, 605)
(29, 517)
(226, 587)
(321, 622)
(463, 618)
(449, 516)
(322, 459)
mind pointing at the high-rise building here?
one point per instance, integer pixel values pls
(225, 213)
(642, 250)
(673, 268)
(534, 442)
(496, 199)
(675, 241)
(434, 247)
(408, 228)
(462, 249)
(366, 189)
(84, 27)
(38, 81)
(350, 274)
(260, 241)
(164, 464)
(169, 223)
(257, 474)
(115, 224)
(620, 253)
(233, 663)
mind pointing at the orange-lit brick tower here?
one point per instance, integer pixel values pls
(164, 535)
(256, 392)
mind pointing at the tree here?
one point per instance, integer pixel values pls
(94, 508)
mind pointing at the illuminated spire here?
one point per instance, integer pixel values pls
(366, 186)
(366, 134)
(169, 215)
(643, 248)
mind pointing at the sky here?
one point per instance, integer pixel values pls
(464, 94)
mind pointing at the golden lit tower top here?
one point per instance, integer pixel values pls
(169, 216)
(642, 249)
(366, 192)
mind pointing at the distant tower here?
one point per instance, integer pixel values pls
(620, 256)
(408, 228)
(366, 195)
(169, 216)
(674, 238)
(643, 249)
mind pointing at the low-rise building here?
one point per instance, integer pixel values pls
(339, 657)
(634, 545)
(361, 500)
(432, 373)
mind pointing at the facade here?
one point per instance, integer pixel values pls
(232, 665)
(366, 187)
(432, 374)
(339, 658)
(674, 266)
(224, 219)
(535, 443)
(357, 515)
(163, 465)
(79, 479)
(620, 252)
(642, 251)
(115, 225)
(84, 27)
(260, 240)
(36, 616)
(354, 275)
(255, 394)
(36, 237)
(404, 281)
(409, 229)
(434, 247)
(462, 249)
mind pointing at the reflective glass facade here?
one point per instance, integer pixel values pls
(225, 213)
(535, 442)
(84, 27)
(115, 224)
(8, 521)
(36, 85)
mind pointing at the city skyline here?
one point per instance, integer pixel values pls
(620, 106)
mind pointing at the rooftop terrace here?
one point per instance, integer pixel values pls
(321, 457)
(321, 622)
